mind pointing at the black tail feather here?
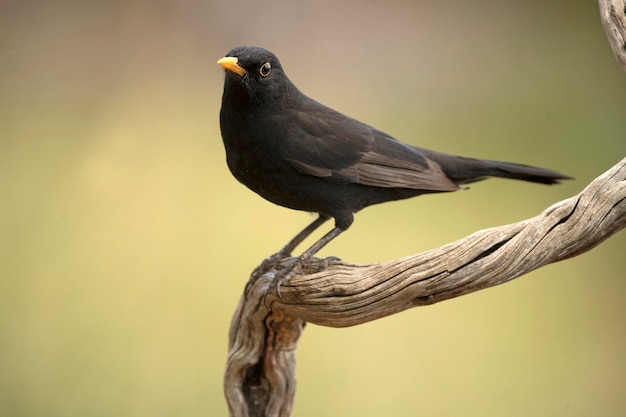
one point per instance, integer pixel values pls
(526, 173)
(466, 170)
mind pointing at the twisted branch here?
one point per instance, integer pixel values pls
(260, 370)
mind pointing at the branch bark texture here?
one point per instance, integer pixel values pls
(260, 373)
(613, 16)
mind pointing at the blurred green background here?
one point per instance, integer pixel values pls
(125, 242)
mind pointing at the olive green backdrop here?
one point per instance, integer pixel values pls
(125, 242)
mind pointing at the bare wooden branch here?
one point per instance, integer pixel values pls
(260, 371)
(613, 16)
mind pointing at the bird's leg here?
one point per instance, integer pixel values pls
(303, 259)
(293, 243)
(290, 246)
(323, 241)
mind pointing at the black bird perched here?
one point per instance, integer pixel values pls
(298, 153)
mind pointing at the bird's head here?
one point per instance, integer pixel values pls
(253, 74)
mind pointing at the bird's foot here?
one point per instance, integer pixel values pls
(282, 276)
(323, 263)
(269, 263)
(301, 265)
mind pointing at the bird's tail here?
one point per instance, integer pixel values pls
(466, 170)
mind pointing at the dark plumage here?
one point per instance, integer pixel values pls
(298, 153)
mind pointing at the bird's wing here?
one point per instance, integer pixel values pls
(337, 148)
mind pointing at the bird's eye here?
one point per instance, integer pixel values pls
(265, 69)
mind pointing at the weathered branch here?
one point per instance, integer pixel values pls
(613, 16)
(261, 363)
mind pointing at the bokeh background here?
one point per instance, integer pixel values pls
(125, 243)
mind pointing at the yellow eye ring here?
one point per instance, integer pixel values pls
(265, 69)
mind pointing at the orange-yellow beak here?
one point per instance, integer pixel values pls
(230, 63)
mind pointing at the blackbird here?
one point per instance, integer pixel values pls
(300, 154)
